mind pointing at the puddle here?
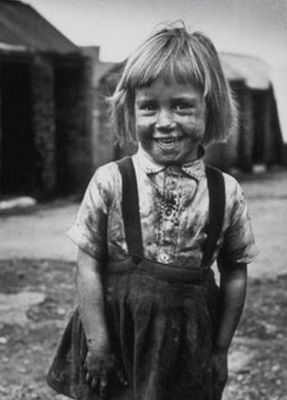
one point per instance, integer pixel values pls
(238, 360)
(13, 307)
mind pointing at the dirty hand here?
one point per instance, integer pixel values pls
(220, 372)
(100, 362)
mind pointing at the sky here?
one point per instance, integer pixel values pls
(255, 27)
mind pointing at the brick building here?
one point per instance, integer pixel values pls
(45, 107)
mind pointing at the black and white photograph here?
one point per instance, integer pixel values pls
(143, 199)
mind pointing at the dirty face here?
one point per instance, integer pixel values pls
(170, 121)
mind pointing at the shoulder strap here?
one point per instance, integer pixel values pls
(131, 217)
(130, 208)
(216, 189)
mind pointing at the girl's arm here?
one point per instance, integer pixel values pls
(232, 291)
(91, 298)
(233, 281)
(99, 360)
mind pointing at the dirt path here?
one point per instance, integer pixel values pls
(267, 199)
(40, 234)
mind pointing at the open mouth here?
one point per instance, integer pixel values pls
(168, 143)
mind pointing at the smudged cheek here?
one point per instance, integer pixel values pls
(194, 130)
(145, 133)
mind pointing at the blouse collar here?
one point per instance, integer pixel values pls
(194, 169)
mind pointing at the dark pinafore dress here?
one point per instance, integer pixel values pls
(161, 318)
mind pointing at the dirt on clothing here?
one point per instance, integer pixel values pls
(37, 294)
(41, 295)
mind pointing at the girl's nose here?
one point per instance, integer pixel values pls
(165, 120)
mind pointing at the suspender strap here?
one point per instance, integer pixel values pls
(130, 209)
(216, 188)
(131, 217)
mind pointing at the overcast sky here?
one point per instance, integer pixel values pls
(256, 27)
(251, 26)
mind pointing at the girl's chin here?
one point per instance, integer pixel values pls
(178, 153)
(171, 153)
(170, 157)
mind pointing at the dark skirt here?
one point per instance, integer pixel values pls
(161, 321)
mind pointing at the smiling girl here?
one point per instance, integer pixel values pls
(151, 323)
(170, 121)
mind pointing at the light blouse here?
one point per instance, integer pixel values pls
(173, 206)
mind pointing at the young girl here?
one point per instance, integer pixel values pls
(151, 324)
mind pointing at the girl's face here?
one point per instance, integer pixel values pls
(170, 121)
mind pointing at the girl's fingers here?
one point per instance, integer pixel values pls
(103, 386)
(99, 384)
(88, 378)
(121, 377)
(94, 383)
(91, 381)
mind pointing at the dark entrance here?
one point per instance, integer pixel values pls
(18, 163)
(261, 122)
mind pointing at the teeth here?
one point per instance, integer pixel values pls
(167, 140)
(167, 143)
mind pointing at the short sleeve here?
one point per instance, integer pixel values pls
(90, 229)
(238, 242)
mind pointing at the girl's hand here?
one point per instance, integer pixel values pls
(220, 372)
(99, 365)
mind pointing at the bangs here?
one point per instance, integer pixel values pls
(174, 54)
(175, 59)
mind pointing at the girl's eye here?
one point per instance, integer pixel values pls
(148, 107)
(184, 108)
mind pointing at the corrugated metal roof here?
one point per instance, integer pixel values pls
(21, 25)
(252, 70)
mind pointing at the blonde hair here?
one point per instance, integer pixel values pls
(174, 53)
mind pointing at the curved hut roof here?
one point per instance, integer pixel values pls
(252, 70)
(23, 28)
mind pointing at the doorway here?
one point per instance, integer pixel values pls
(18, 156)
